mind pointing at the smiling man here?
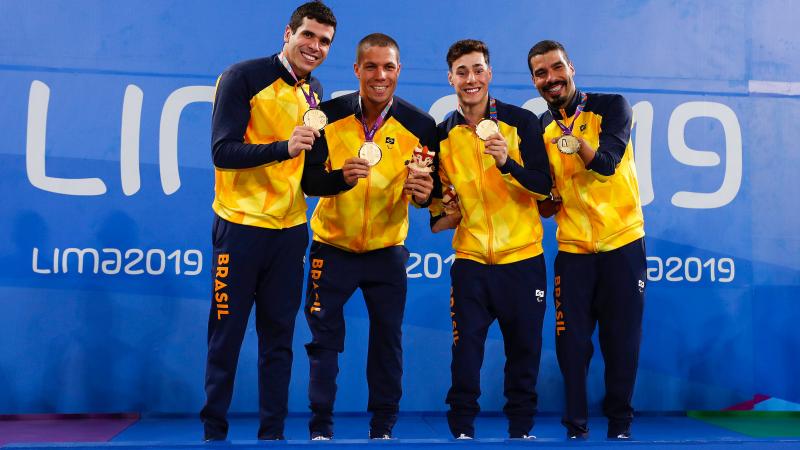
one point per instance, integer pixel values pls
(259, 235)
(360, 225)
(491, 153)
(600, 266)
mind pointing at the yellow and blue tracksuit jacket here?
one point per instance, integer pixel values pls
(256, 107)
(600, 210)
(500, 220)
(374, 213)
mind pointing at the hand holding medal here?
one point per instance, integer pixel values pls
(302, 138)
(497, 147)
(486, 128)
(489, 132)
(353, 169)
(370, 152)
(314, 120)
(568, 143)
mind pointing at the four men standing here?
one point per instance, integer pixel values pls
(369, 154)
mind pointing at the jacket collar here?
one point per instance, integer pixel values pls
(570, 109)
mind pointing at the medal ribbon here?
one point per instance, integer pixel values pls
(370, 133)
(310, 99)
(492, 109)
(578, 111)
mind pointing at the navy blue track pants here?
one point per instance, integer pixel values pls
(606, 289)
(514, 294)
(261, 266)
(334, 275)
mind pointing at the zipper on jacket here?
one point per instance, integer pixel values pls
(479, 155)
(366, 212)
(588, 217)
(578, 194)
(291, 200)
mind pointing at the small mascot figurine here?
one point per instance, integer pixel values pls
(421, 160)
(450, 200)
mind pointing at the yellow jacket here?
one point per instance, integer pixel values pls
(374, 213)
(256, 107)
(600, 210)
(500, 221)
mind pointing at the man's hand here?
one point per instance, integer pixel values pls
(447, 222)
(355, 168)
(419, 185)
(585, 151)
(497, 147)
(550, 206)
(302, 138)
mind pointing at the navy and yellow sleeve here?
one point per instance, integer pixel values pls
(435, 206)
(230, 117)
(442, 132)
(614, 134)
(430, 140)
(534, 173)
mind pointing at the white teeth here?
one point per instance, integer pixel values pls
(379, 88)
(472, 90)
(308, 57)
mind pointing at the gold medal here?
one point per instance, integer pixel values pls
(486, 128)
(568, 144)
(315, 119)
(371, 152)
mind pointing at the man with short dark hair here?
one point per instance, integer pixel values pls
(600, 269)
(260, 132)
(359, 168)
(493, 168)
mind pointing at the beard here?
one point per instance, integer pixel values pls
(561, 101)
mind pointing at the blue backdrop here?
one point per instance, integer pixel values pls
(107, 184)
